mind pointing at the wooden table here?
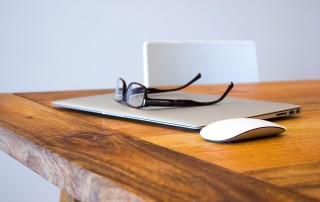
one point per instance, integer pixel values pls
(98, 158)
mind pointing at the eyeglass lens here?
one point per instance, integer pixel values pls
(119, 91)
(135, 95)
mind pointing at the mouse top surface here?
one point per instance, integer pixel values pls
(237, 129)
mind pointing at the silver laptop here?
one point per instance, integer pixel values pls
(185, 117)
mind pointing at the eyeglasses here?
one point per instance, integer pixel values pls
(136, 96)
(121, 89)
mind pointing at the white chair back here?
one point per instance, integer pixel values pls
(176, 63)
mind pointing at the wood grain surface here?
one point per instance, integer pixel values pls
(99, 158)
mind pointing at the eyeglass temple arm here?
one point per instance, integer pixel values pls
(184, 103)
(156, 90)
(224, 94)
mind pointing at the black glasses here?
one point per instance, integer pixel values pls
(121, 89)
(136, 96)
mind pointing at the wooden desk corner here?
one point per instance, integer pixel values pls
(100, 158)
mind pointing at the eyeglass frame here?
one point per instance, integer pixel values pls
(152, 90)
(147, 101)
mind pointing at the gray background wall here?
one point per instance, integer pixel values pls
(86, 44)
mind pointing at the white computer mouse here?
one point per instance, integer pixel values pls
(236, 129)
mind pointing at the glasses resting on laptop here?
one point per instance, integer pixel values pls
(136, 95)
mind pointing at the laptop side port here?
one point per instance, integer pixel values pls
(282, 114)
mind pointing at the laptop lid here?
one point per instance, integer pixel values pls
(185, 117)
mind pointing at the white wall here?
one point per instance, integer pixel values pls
(81, 44)
(85, 44)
